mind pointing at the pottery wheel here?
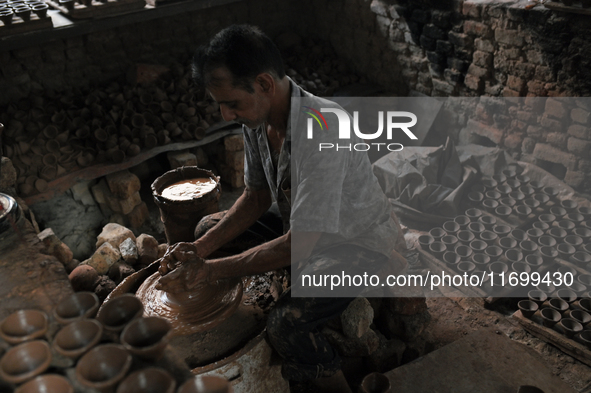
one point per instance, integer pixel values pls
(189, 313)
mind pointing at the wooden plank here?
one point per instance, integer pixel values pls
(551, 336)
(576, 8)
(19, 26)
(64, 183)
(482, 362)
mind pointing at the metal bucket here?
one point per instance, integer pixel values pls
(181, 217)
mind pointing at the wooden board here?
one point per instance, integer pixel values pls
(98, 9)
(551, 336)
(575, 8)
(19, 26)
(482, 362)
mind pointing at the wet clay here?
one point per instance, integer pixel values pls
(198, 310)
(185, 190)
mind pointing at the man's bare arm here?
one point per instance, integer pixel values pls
(247, 209)
(266, 257)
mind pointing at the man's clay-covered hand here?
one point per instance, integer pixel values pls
(181, 269)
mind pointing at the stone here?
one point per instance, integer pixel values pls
(534, 132)
(235, 160)
(460, 40)
(138, 215)
(535, 57)
(513, 141)
(550, 123)
(547, 152)
(128, 251)
(363, 346)
(482, 59)
(357, 318)
(99, 191)
(444, 87)
(515, 83)
(475, 70)
(83, 278)
(486, 131)
(579, 131)
(114, 234)
(128, 204)
(379, 7)
(578, 115)
(118, 271)
(580, 147)
(73, 264)
(471, 9)
(507, 92)
(63, 253)
(123, 184)
(433, 32)
(477, 28)
(104, 257)
(585, 166)
(81, 193)
(181, 158)
(524, 70)
(234, 143)
(556, 109)
(557, 139)
(509, 37)
(147, 247)
(104, 287)
(484, 45)
(202, 158)
(574, 178)
(473, 82)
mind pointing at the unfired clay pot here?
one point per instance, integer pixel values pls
(77, 306)
(25, 361)
(48, 383)
(375, 383)
(119, 311)
(206, 384)
(103, 367)
(147, 338)
(148, 380)
(78, 337)
(23, 325)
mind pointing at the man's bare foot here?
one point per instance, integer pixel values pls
(333, 384)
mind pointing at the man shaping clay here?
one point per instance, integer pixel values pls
(336, 218)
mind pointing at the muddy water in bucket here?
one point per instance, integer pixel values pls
(184, 196)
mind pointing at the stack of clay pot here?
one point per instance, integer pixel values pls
(548, 235)
(47, 137)
(75, 348)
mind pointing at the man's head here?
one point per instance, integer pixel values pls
(239, 68)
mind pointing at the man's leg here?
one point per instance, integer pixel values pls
(293, 330)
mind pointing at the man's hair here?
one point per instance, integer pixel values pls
(244, 50)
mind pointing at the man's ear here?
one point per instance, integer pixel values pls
(266, 82)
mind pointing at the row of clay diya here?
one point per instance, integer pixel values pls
(21, 9)
(101, 349)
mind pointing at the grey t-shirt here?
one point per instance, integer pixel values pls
(328, 191)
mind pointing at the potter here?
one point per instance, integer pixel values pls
(333, 211)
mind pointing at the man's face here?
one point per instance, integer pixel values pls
(236, 104)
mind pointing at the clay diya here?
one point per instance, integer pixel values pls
(25, 361)
(570, 327)
(550, 317)
(23, 325)
(206, 384)
(48, 383)
(77, 306)
(527, 308)
(148, 380)
(537, 296)
(78, 337)
(147, 338)
(103, 367)
(119, 311)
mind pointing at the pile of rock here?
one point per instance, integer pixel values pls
(118, 254)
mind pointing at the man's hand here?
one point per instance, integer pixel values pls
(181, 269)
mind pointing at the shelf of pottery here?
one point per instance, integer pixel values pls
(84, 9)
(20, 16)
(523, 240)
